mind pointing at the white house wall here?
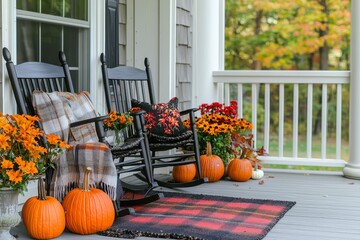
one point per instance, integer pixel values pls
(149, 34)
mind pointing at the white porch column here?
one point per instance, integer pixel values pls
(352, 169)
(7, 39)
(207, 45)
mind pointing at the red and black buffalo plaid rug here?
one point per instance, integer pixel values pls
(190, 216)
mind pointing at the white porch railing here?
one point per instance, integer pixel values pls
(239, 79)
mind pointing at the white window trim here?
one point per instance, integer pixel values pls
(97, 46)
(46, 18)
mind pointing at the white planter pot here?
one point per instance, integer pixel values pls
(9, 216)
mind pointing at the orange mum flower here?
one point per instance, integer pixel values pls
(19, 161)
(4, 141)
(6, 164)
(117, 121)
(29, 168)
(53, 139)
(15, 176)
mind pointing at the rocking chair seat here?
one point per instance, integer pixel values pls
(154, 138)
(123, 150)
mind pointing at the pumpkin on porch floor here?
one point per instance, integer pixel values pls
(257, 172)
(239, 170)
(184, 173)
(212, 166)
(43, 216)
(88, 210)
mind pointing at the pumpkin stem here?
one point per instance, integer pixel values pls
(86, 187)
(41, 189)
(208, 149)
(243, 153)
(256, 166)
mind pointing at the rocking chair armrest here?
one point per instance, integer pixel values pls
(98, 125)
(137, 113)
(89, 120)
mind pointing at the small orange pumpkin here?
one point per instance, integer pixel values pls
(43, 216)
(212, 166)
(88, 210)
(239, 170)
(184, 173)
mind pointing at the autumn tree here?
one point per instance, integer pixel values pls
(288, 35)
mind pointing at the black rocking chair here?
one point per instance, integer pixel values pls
(123, 85)
(29, 76)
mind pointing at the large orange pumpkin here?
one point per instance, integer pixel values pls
(239, 170)
(184, 173)
(212, 166)
(88, 210)
(43, 216)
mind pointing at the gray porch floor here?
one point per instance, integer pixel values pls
(327, 206)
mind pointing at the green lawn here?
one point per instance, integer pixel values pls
(316, 151)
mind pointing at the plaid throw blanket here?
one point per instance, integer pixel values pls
(56, 110)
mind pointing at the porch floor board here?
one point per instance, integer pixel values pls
(327, 206)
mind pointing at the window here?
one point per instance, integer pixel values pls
(44, 27)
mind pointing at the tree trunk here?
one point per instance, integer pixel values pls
(324, 61)
(257, 30)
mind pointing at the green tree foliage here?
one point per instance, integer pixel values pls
(290, 35)
(287, 34)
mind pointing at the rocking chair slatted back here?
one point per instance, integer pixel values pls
(30, 76)
(134, 84)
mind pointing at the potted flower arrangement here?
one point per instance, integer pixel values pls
(115, 123)
(220, 125)
(23, 157)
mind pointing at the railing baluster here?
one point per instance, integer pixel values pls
(267, 117)
(240, 100)
(338, 120)
(220, 92)
(295, 120)
(324, 109)
(281, 120)
(309, 121)
(254, 97)
(227, 94)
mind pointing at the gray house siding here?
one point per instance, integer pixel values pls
(184, 61)
(184, 28)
